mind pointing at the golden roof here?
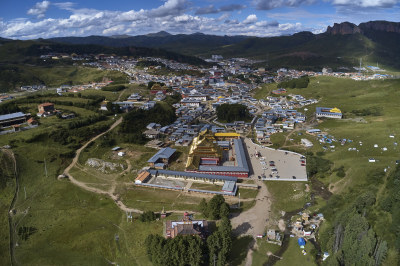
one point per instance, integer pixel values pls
(335, 110)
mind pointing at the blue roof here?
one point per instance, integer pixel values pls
(12, 116)
(164, 153)
(229, 186)
(325, 110)
(190, 174)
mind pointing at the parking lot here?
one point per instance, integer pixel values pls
(276, 164)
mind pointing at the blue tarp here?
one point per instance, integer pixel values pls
(301, 241)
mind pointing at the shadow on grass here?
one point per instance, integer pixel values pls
(240, 246)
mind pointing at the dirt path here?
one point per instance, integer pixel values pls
(120, 95)
(253, 221)
(83, 185)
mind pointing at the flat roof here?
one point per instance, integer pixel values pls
(190, 174)
(229, 186)
(225, 134)
(12, 116)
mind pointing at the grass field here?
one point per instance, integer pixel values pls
(206, 186)
(287, 196)
(293, 255)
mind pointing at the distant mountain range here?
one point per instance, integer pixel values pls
(341, 45)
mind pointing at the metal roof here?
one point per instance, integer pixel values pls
(190, 174)
(242, 165)
(164, 153)
(12, 116)
(229, 186)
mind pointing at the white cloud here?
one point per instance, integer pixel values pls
(366, 3)
(39, 9)
(64, 5)
(170, 7)
(250, 19)
(271, 4)
(171, 16)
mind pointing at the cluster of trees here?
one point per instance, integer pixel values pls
(317, 165)
(172, 99)
(191, 250)
(136, 121)
(373, 111)
(12, 76)
(152, 83)
(299, 83)
(233, 112)
(86, 121)
(181, 250)
(91, 104)
(219, 244)
(391, 205)
(351, 238)
(147, 63)
(8, 108)
(216, 208)
(114, 87)
(147, 216)
(340, 172)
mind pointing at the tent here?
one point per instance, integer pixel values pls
(301, 242)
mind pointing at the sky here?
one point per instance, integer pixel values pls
(26, 19)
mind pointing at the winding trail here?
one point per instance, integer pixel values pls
(83, 185)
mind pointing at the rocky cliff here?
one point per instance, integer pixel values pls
(343, 28)
(350, 28)
(381, 25)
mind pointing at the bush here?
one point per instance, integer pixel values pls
(233, 112)
(147, 216)
(295, 83)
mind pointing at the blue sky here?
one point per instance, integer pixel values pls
(44, 19)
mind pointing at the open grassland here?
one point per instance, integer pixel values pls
(156, 199)
(57, 223)
(293, 255)
(7, 189)
(287, 196)
(71, 75)
(55, 76)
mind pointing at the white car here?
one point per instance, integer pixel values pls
(262, 162)
(264, 168)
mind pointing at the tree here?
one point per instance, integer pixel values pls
(233, 112)
(224, 210)
(147, 216)
(203, 207)
(214, 206)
